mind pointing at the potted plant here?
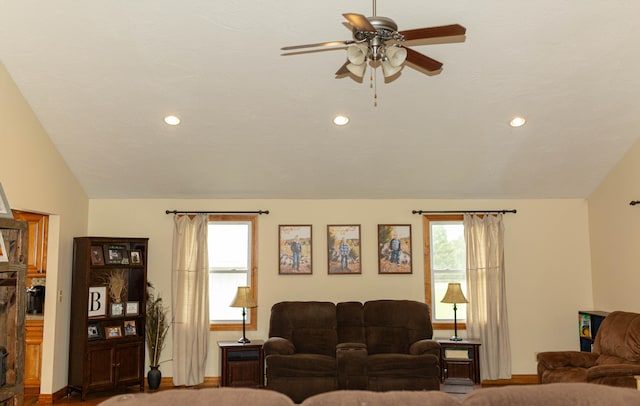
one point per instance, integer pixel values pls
(157, 327)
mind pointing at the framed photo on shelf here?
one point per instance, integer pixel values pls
(96, 256)
(394, 249)
(97, 301)
(295, 250)
(131, 309)
(5, 209)
(113, 332)
(117, 309)
(129, 327)
(343, 243)
(4, 257)
(136, 257)
(94, 332)
(115, 254)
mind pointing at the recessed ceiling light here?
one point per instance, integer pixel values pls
(172, 120)
(341, 120)
(517, 122)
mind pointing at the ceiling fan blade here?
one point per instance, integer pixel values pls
(422, 61)
(319, 44)
(343, 70)
(434, 32)
(359, 22)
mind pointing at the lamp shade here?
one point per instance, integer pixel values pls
(396, 56)
(389, 70)
(454, 294)
(244, 298)
(357, 53)
(357, 70)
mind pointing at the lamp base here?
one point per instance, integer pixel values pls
(455, 338)
(244, 340)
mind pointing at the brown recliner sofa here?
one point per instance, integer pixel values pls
(381, 345)
(614, 361)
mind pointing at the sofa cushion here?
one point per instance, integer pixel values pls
(561, 394)
(619, 337)
(201, 397)
(402, 365)
(391, 398)
(315, 341)
(301, 365)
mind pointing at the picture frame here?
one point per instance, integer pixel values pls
(131, 309)
(394, 249)
(135, 256)
(130, 328)
(115, 254)
(97, 306)
(94, 332)
(113, 332)
(5, 209)
(343, 249)
(117, 309)
(4, 256)
(96, 256)
(295, 249)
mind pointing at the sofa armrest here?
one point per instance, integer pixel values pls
(425, 347)
(278, 345)
(560, 359)
(612, 370)
(351, 359)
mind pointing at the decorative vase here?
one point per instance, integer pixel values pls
(153, 377)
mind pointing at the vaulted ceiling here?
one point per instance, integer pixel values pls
(101, 75)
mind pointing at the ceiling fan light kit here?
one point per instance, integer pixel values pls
(377, 40)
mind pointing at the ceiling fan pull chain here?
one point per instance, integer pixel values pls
(374, 86)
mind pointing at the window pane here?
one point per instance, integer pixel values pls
(448, 264)
(229, 245)
(224, 286)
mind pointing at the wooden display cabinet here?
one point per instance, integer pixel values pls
(108, 302)
(242, 364)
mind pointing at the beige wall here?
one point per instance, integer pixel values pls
(547, 254)
(615, 236)
(35, 178)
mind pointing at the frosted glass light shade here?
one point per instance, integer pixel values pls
(357, 53)
(389, 70)
(396, 56)
(357, 70)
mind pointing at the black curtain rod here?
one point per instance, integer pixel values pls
(634, 202)
(461, 211)
(216, 212)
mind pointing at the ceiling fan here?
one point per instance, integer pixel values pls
(377, 40)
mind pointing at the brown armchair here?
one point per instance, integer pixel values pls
(614, 361)
(300, 354)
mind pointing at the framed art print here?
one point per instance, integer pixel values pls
(94, 332)
(131, 308)
(394, 249)
(117, 309)
(343, 243)
(129, 327)
(97, 301)
(5, 209)
(116, 254)
(136, 257)
(113, 331)
(96, 256)
(4, 257)
(295, 250)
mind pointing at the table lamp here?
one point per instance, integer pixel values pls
(244, 298)
(454, 295)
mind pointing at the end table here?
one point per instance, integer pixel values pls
(242, 364)
(459, 361)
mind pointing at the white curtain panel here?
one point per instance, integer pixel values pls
(190, 299)
(487, 308)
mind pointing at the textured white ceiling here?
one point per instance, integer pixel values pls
(100, 75)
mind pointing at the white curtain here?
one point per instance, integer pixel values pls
(487, 308)
(190, 299)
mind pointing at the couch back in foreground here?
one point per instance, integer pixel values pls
(560, 394)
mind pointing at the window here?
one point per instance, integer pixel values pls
(445, 261)
(232, 262)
